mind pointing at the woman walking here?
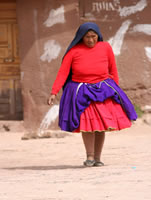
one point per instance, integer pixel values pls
(92, 102)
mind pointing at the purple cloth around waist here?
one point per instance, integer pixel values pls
(77, 97)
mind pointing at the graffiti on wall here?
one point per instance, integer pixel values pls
(115, 5)
(128, 10)
(106, 6)
(51, 47)
(148, 53)
(111, 10)
(145, 29)
(117, 40)
(142, 28)
(51, 51)
(55, 16)
(49, 118)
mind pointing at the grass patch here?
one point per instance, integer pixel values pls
(138, 110)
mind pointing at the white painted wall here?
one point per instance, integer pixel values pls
(148, 53)
(117, 41)
(51, 51)
(48, 119)
(129, 10)
(143, 28)
(55, 17)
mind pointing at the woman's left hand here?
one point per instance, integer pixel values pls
(51, 99)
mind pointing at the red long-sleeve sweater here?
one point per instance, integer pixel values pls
(89, 65)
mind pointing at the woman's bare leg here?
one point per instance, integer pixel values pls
(89, 142)
(99, 142)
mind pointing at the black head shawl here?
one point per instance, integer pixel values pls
(82, 30)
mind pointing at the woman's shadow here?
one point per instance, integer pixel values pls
(52, 167)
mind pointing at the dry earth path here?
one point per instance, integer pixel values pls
(51, 169)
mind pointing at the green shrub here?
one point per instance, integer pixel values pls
(138, 110)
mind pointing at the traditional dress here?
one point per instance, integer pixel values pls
(92, 100)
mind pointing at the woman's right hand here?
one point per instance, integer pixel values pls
(51, 99)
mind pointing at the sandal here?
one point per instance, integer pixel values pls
(98, 164)
(89, 163)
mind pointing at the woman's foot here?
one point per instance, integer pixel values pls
(98, 164)
(89, 163)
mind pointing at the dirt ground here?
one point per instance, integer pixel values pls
(52, 168)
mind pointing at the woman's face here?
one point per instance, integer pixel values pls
(90, 39)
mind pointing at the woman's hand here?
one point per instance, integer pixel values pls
(51, 99)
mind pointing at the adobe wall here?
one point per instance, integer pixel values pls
(47, 27)
(127, 26)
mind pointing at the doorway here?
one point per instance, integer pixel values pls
(10, 87)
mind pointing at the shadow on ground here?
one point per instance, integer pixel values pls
(57, 167)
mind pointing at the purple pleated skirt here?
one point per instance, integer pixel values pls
(95, 107)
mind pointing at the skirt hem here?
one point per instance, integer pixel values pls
(110, 129)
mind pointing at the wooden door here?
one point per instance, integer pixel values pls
(10, 88)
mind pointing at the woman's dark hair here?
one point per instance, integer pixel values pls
(85, 34)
